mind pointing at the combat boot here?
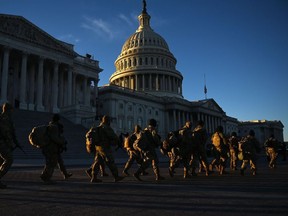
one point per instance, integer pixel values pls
(125, 173)
(193, 172)
(118, 178)
(159, 178)
(95, 180)
(137, 176)
(67, 175)
(89, 172)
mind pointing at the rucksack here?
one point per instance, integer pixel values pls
(129, 140)
(217, 140)
(142, 141)
(39, 136)
(93, 139)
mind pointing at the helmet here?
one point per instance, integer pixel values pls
(153, 122)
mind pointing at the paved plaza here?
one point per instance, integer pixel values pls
(229, 194)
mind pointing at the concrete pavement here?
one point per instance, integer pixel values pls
(230, 194)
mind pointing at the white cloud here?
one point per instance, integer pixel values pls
(69, 38)
(99, 27)
(126, 19)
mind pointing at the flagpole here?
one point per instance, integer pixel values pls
(205, 88)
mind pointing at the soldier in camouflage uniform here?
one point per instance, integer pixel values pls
(51, 151)
(7, 141)
(199, 138)
(134, 155)
(250, 146)
(56, 121)
(104, 151)
(150, 155)
(271, 146)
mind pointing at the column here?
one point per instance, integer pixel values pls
(39, 93)
(70, 86)
(136, 82)
(85, 94)
(31, 104)
(55, 107)
(143, 82)
(4, 78)
(23, 103)
(174, 120)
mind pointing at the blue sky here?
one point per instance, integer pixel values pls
(240, 45)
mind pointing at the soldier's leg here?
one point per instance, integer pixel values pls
(51, 162)
(62, 167)
(95, 168)
(128, 163)
(7, 161)
(6, 157)
(109, 160)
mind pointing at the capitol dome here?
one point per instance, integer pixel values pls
(146, 63)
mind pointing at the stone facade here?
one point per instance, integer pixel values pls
(41, 73)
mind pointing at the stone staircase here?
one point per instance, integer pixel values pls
(24, 121)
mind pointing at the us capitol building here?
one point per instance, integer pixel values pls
(43, 74)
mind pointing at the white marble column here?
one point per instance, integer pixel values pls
(4, 78)
(23, 91)
(39, 93)
(55, 108)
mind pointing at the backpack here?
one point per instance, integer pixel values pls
(217, 140)
(92, 139)
(142, 141)
(39, 136)
(129, 140)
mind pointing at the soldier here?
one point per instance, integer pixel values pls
(133, 153)
(151, 141)
(187, 150)
(271, 146)
(104, 152)
(200, 138)
(220, 150)
(7, 141)
(56, 121)
(249, 145)
(51, 151)
(233, 150)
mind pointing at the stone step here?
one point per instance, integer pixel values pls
(24, 121)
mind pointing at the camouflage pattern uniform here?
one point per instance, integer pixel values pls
(7, 141)
(133, 154)
(51, 151)
(187, 150)
(233, 150)
(200, 137)
(104, 152)
(55, 121)
(250, 147)
(150, 155)
(271, 146)
(220, 151)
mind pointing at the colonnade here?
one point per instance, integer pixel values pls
(150, 82)
(33, 82)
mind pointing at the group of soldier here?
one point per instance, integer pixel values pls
(185, 147)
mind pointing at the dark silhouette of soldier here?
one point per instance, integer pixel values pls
(7, 141)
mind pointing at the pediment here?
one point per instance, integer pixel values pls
(20, 28)
(211, 105)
